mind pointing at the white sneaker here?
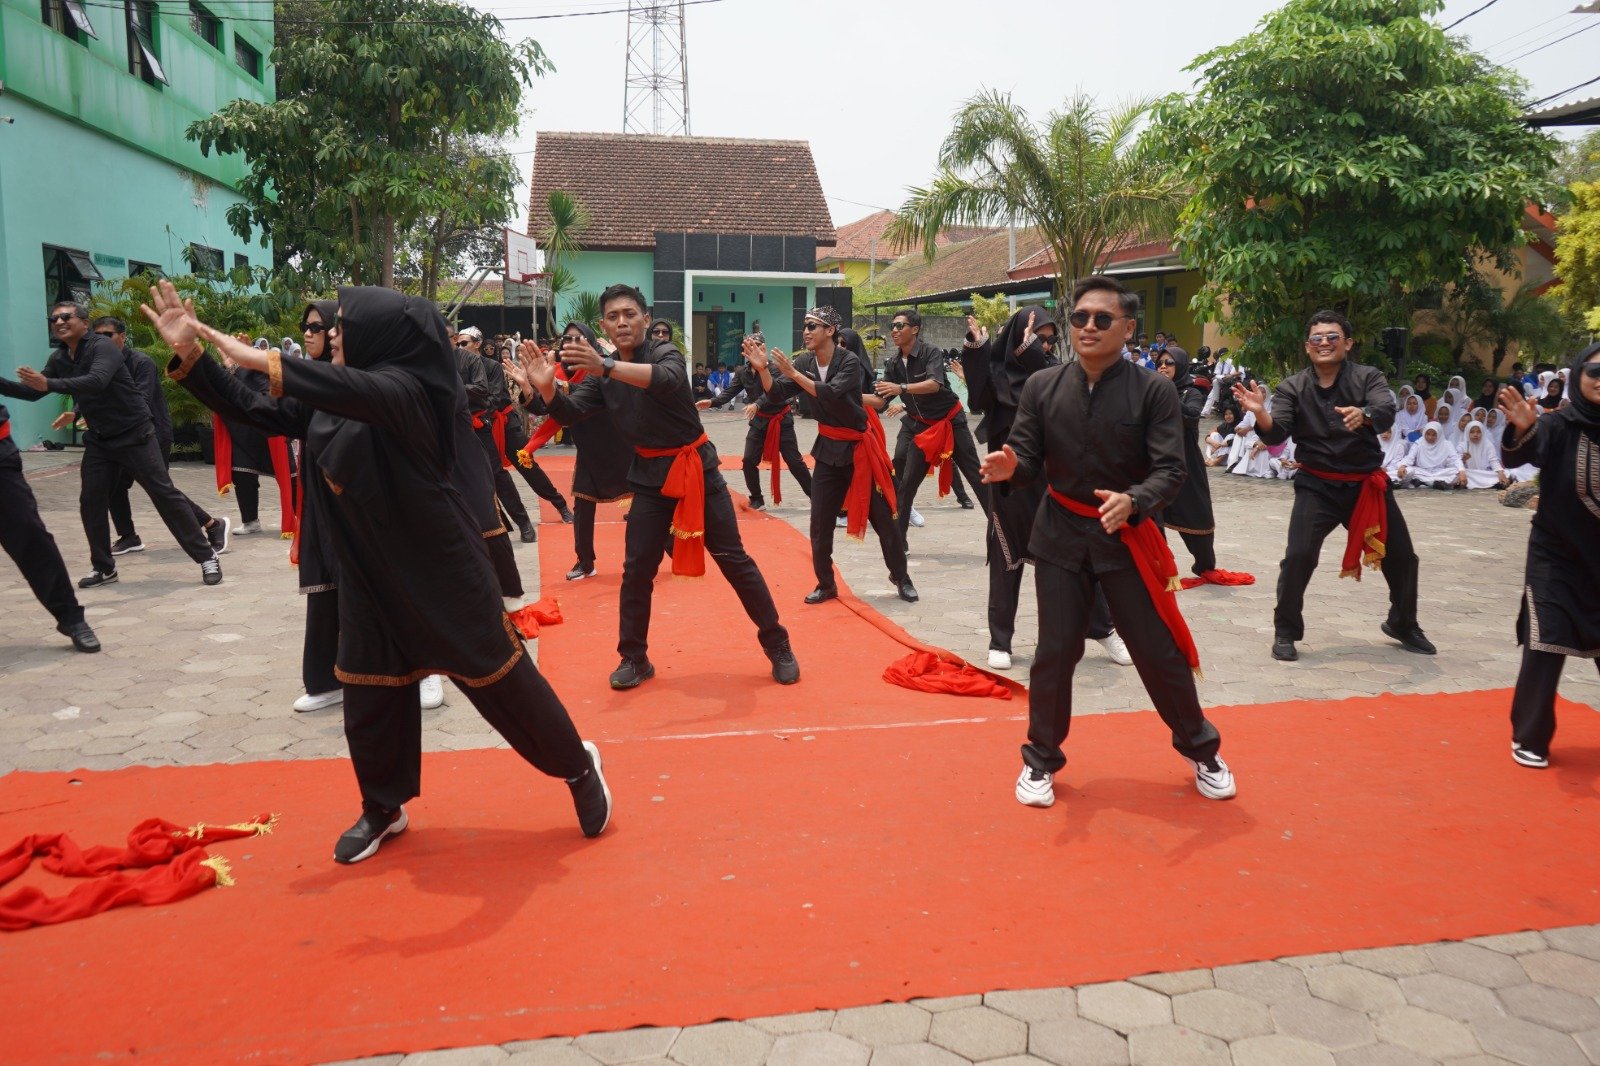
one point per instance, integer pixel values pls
(248, 528)
(316, 701)
(841, 521)
(1213, 778)
(1116, 650)
(917, 519)
(432, 692)
(999, 660)
(1035, 788)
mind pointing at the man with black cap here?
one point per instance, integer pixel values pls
(853, 468)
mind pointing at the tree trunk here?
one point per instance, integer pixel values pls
(387, 280)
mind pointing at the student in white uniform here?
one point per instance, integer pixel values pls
(1433, 462)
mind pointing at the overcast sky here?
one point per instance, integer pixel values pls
(871, 84)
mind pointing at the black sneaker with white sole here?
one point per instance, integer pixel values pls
(631, 674)
(127, 545)
(219, 533)
(591, 796)
(211, 571)
(94, 579)
(362, 840)
(579, 572)
(1528, 757)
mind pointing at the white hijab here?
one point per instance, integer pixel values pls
(1439, 455)
(1444, 414)
(1407, 421)
(1493, 422)
(1482, 453)
(1395, 448)
(1457, 431)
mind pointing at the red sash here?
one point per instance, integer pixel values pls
(1369, 520)
(938, 444)
(278, 451)
(686, 483)
(5, 429)
(872, 468)
(1156, 566)
(771, 448)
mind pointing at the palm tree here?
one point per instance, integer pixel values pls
(562, 236)
(1085, 179)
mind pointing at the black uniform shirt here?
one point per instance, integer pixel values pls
(749, 382)
(1124, 435)
(148, 378)
(97, 377)
(1303, 409)
(925, 363)
(837, 403)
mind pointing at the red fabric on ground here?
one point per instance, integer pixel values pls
(925, 671)
(1218, 577)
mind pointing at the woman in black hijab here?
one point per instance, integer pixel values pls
(1486, 395)
(417, 592)
(1191, 514)
(1560, 614)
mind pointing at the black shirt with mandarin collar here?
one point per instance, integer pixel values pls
(837, 402)
(924, 363)
(1303, 409)
(1123, 435)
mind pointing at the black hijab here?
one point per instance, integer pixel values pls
(328, 310)
(1580, 409)
(1424, 390)
(385, 330)
(1182, 369)
(588, 333)
(1008, 385)
(850, 341)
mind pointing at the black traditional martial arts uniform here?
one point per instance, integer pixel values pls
(748, 382)
(922, 412)
(22, 532)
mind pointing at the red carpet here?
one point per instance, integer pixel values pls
(851, 842)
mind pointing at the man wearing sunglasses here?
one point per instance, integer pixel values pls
(121, 437)
(1108, 442)
(1335, 410)
(933, 433)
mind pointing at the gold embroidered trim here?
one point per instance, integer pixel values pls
(390, 681)
(275, 374)
(603, 499)
(185, 362)
(1192, 532)
(497, 532)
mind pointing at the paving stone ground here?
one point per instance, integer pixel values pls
(158, 695)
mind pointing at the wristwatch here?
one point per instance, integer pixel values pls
(1366, 413)
(607, 365)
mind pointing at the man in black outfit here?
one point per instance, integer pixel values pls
(121, 437)
(29, 543)
(1335, 410)
(1108, 439)
(918, 378)
(761, 411)
(148, 379)
(833, 377)
(646, 389)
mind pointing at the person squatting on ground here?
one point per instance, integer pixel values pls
(121, 439)
(1335, 410)
(770, 438)
(1560, 614)
(852, 471)
(1097, 527)
(417, 593)
(678, 491)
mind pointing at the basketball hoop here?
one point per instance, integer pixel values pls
(522, 258)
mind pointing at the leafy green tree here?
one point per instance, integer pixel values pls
(1084, 178)
(471, 202)
(561, 238)
(1578, 257)
(1477, 312)
(357, 148)
(1347, 154)
(1577, 161)
(991, 312)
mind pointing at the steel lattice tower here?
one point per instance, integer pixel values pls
(656, 94)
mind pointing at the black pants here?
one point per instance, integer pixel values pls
(122, 510)
(913, 469)
(902, 444)
(1319, 506)
(788, 448)
(583, 513)
(534, 475)
(503, 555)
(321, 646)
(649, 526)
(247, 489)
(1533, 703)
(829, 486)
(1066, 599)
(30, 545)
(505, 489)
(100, 469)
(1203, 547)
(1005, 588)
(383, 726)
(958, 486)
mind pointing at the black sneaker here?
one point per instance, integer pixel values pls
(218, 533)
(822, 594)
(579, 572)
(96, 579)
(1411, 639)
(211, 570)
(966, 505)
(785, 670)
(1283, 650)
(566, 514)
(907, 590)
(1528, 757)
(528, 535)
(361, 841)
(591, 796)
(631, 674)
(127, 545)
(83, 637)
(757, 503)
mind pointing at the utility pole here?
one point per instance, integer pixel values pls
(655, 95)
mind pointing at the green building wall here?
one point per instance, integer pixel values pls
(95, 160)
(594, 271)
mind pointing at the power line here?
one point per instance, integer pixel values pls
(1563, 92)
(1523, 33)
(1558, 40)
(1469, 14)
(1537, 40)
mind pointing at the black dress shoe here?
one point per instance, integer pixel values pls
(83, 637)
(908, 591)
(631, 674)
(1283, 651)
(566, 515)
(362, 840)
(757, 503)
(785, 668)
(822, 593)
(966, 505)
(1411, 639)
(528, 535)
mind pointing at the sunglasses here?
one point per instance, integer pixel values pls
(1101, 319)
(899, 325)
(313, 327)
(809, 326)
(65, 316)
(1166, 362)
(661, 333)
(1048, 339)
(1591, 370)
(1325, 338)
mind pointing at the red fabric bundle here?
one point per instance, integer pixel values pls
(872, 468)
(1156, 566)
(1369, 520)
(938, 444)
(162, 863)
(772, 450)
(1219, 577)
(528, 620)
(686, 483)
(927, 672)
